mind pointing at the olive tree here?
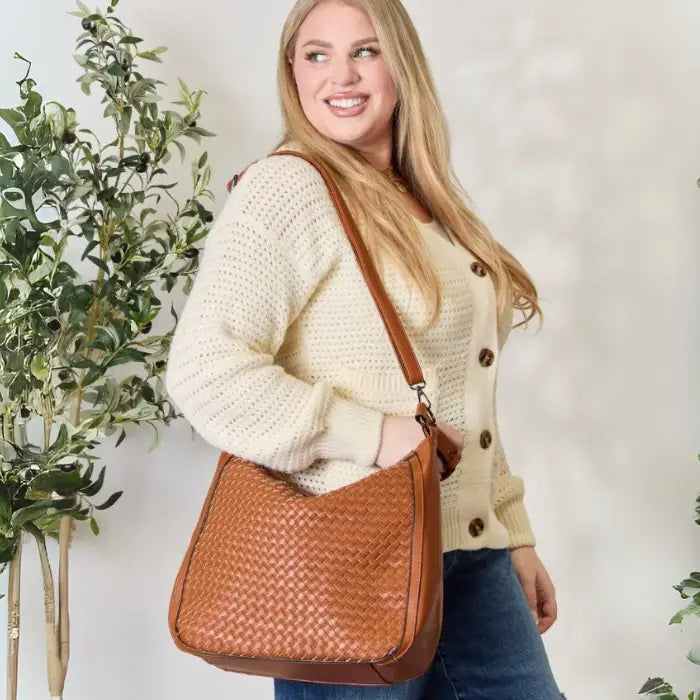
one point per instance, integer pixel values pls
(78, 361)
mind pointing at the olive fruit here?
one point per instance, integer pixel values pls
(191, 253)
(68, 467)
(193, 123)
(24, 412)
(118, 255)
(141, 167)
(147, 327)
(208, 217)
(160, 363)
(145, 157)
(64, 374)
(69, 137)
(54, 324)
(86, 23)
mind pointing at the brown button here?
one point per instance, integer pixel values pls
(486, 357)
(477, 269)
(476, 527)
(485, 438)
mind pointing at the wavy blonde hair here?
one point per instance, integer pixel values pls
(420, 153)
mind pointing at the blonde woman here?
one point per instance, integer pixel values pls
(280, 355)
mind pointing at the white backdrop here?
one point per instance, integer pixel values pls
(575, 130)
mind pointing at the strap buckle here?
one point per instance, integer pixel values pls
(420, 418)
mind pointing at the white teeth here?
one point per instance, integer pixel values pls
(347, 103)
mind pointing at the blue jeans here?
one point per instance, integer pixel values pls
(489, 648)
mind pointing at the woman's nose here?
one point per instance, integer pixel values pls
(343, 72)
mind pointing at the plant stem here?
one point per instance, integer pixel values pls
(55, 671)
(13, 621)
(64, 539)
(13, 597)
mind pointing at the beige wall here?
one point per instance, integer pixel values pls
(575, 130)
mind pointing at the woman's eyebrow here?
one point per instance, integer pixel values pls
(330, 46)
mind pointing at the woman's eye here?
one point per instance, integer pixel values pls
(310, 55)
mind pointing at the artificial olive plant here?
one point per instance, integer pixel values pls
(78, 360)
(688, 588)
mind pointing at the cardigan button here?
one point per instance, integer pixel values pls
(485, 438)
(477, 269)
(476, 527)
(486, 357)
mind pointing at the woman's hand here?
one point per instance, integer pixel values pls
(401, 435)
(537, 586)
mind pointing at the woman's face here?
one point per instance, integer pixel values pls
(337, 56)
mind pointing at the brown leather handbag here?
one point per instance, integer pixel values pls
(341, 587)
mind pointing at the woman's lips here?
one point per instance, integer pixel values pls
(350, 111)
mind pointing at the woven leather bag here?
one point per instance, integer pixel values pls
(341, 587)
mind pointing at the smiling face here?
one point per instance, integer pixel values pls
(337, 55)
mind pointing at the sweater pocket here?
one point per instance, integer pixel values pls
(387, 391)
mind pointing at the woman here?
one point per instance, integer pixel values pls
(281, 357)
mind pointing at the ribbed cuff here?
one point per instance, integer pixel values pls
(516, 520)
(353, 432)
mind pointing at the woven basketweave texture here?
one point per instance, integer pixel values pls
(275, 586)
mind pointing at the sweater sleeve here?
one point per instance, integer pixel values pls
(264, 257)
(509, 489)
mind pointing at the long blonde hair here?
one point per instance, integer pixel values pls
(420, 153)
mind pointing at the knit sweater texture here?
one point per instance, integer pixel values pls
(280, 355)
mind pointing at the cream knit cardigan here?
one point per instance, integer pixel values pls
(280, 355)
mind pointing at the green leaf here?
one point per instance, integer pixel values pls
(5, 507)
(106, 338)
(92, 374)
(130, 40)
(125, 120)
(200, 131)
(41, 509)
(32, 106)
(7, 549)
(100, 263)
(13, 118)
(692, 609)
(96, 485)
(152, 55)
(39, 367)
(655, 685)
(110, 501)
(61, 439)
(94, 526)
(63, 483)
(128, 355)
